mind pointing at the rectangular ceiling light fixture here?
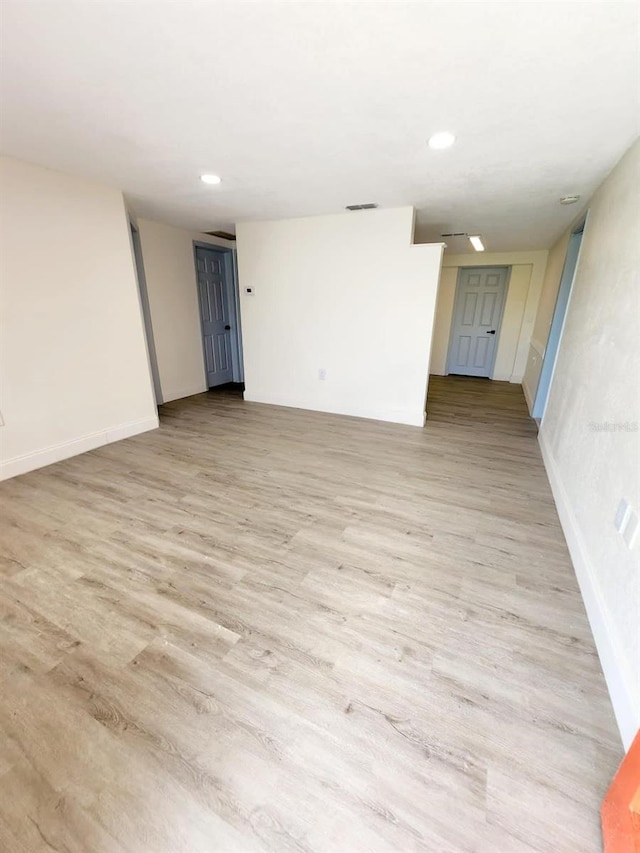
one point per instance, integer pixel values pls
(476, 242)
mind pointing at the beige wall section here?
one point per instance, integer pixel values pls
(169, 267)
(525, 284)
(74, 369)
(544, 316)
(442, 324)
(348, 294)
(549, 292)
(589, 433)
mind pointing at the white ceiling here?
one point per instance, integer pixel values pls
(305, 107)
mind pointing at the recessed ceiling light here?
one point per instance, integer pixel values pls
(477, 244)
(569, 199)
(441, 140)
(210, 179)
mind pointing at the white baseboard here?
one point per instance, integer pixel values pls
(58, 452)
(527, 396)
(181, 393)
(515, 378)
(626, 706)
(400, 416)
(538, 347)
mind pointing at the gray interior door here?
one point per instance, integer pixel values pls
(215, 315)
(476, 320)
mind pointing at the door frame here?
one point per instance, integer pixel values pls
(456, 302)
(145, 308)
(233, 303)
(560, 312)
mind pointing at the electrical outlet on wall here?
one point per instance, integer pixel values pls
(322, 373)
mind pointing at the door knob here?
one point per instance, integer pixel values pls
(226, 328)
(492, 332)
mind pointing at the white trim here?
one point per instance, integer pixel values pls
(619, 679)
(527, 395)
(498, 259)
(500, 377)
(133, 428)
(410, 417)
(170, 396)
(58, 452)
(538, 346)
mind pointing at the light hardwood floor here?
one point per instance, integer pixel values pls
(263, 629)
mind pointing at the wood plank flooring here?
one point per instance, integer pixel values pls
(263, 629)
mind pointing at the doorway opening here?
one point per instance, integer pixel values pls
(557, 322)
(219, 303)
(146, 312)
(476, 320)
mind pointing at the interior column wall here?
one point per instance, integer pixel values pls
(340, 315)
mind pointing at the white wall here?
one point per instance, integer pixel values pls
(346, 293)
(74, 369)
(443, 316)
(525, 284)
(591, 467)
(169, 267)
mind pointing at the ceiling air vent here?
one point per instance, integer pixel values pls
(455, 234)
(224, 235)
(369, 206)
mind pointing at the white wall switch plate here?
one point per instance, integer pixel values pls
(631, 530)
(622, 515)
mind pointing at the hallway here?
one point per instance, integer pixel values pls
(260, 628)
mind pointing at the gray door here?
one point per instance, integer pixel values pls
(215, 315)
(476, 320)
